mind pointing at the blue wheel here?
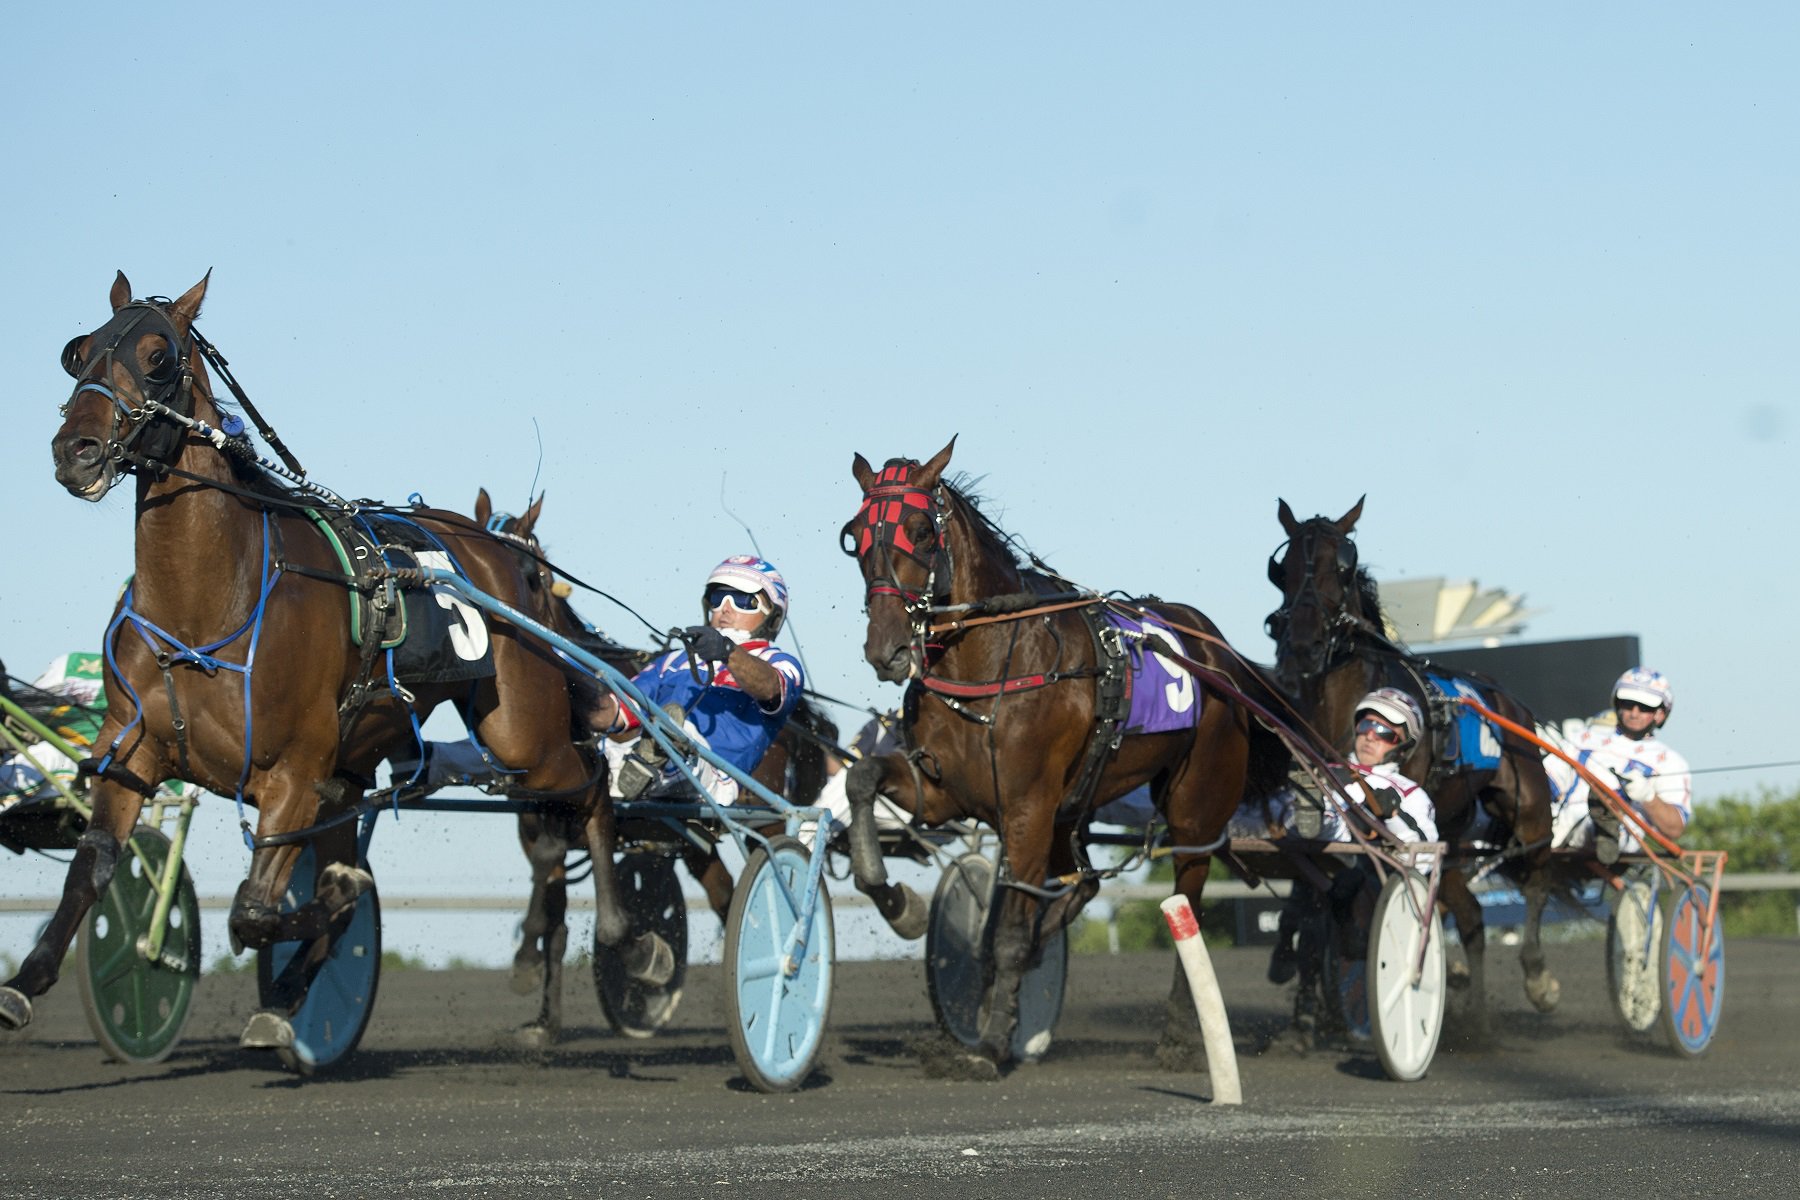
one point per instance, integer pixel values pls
(331, 1019)
(1693, 973)
(777, 1016)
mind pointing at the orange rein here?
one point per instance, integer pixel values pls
(971, 622)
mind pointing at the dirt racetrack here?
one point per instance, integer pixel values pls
(436, 1103)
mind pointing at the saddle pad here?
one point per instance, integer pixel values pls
(445, 637)
(1163, 697)
(1474, 744)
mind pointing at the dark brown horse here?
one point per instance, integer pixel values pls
(1004, 725)
(1332, 648)
(231, 660)
(794, 766)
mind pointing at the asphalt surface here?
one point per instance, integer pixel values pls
(437, 1102)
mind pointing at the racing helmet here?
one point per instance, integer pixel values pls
(1397, 709)
(749, 574)
(1646, 687)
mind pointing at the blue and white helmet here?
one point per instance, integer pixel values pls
(1647, 687)
(748, 573)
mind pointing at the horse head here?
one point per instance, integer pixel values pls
(898, 538)
(137, 378)
(1317, 573)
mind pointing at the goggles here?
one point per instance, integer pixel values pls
(1377, 730)
(718, 594)
(1623, 704)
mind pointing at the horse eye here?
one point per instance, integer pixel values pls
(71, 355)
(162, 365)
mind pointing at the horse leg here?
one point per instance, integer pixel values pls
(546, 852)
(1541, 987)
(707, 868)
(903, 909)
(97, 854)
(647, 958)
(1472, 929)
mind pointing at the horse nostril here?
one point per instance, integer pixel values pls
(87, 451)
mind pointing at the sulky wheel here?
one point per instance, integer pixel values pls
(137, 1005)
(776, 1015)
(1634, 935)
(653, 903)
(1692, 973)
(954, 956)
(1405, 977)
(331, 1019)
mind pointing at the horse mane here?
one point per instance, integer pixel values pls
(987, 531)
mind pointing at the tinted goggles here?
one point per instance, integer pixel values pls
(718, 594)
(1378, 730)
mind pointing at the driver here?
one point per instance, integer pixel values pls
(1653, 778)
(745, 689)
(1388, 724)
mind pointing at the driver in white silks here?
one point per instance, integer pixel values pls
(1388, 724)
(1629, 756)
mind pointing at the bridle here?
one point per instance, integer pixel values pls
(878, 532)
(1342, 623)
(153, 430)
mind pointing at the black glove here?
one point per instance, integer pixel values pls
(708, 644)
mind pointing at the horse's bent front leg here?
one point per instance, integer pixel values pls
(904, 910)
(547, 852)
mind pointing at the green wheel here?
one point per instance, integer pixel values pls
(137, 1006)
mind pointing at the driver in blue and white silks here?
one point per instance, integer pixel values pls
(1652, 777)
(746, 688)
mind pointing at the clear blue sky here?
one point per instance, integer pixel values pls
(1524, 274)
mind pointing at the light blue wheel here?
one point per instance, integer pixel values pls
(1693, 974)
(777, 1016)
(331, 1019)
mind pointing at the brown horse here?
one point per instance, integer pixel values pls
(1332, 648)
(231, 663)
(1004, 724)
(794, 766)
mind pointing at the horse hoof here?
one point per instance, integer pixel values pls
(534, 1037)
(1457, 976)
(527, 978)
(913, 917)
(966, 1067)
(267, 1031)
(15, 1009)
(650, 961)
(1545, 994)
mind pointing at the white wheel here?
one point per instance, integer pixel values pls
(1634, 937)
(953, 964)
(1406, 977)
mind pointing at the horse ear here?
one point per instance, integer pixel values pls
(1347, 522)
(933, 470)
(528, 522)
(865, 474)
(484, 508)
(1288, 523)
(121, 291)
(188, 307)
